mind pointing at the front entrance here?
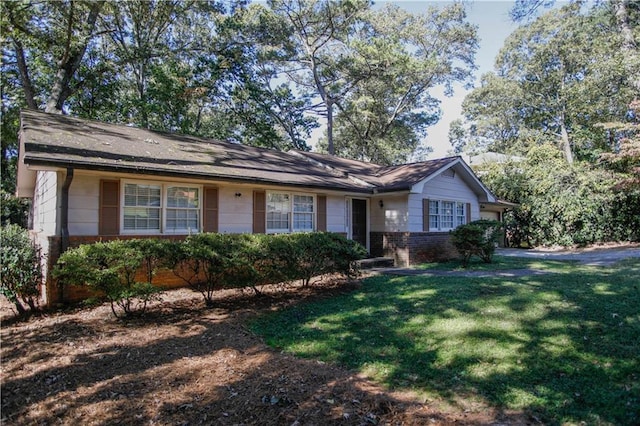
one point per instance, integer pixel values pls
(359, 221)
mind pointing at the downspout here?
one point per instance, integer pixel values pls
(64, 222)
(64, 211)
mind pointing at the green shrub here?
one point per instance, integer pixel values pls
(109, 268)
(478, 238)
(14, 209)
(201, 261)
(21, 268)
(210, 262)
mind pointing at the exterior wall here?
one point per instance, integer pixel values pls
(45, 220)
(84, 204)
(393, 216)
(235, 214)
(441, 188)
(410, 248)
(336, 214)
(45, 197)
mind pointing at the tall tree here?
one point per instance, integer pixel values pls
(405, 57)
(55, 32)
(565, 69)
(321, 57)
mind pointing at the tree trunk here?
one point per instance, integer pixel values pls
(71, 59)
(566, 144)
(330, 147)
(628, 42)
(27, 86)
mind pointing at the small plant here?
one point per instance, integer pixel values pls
(21, 268)
(109, 268)
(478, 238)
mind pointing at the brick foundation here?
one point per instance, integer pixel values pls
(410, 248)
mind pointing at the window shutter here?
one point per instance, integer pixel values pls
(109, 216)
(322, 213)
(425, 214)
(468, 207)
(210, 214)
(259, 212)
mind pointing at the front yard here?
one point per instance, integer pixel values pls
(561, 347)
(554, 348)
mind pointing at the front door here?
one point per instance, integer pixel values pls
(359, 221)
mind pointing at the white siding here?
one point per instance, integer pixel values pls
(336, 214)
(392, 217)
(45, 201)
(84, 205)
(235, 214)
(441, 188)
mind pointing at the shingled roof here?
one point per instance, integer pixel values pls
(54, 140)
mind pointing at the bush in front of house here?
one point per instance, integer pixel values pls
(477, 238)
(206, 262)
(110, 268)
(211, 262)
(321, 253)
(21, 268)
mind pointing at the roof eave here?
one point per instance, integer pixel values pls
(191, 175)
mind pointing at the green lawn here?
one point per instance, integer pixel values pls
(564, 346)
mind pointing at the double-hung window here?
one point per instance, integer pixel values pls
(290, 212)
(142, 207)
(183, 209)
(160, 208)
(446, 215)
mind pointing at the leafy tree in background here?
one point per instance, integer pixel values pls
(321, 56)
(386, 115)
(373, 71)
(556, 78)
(187, 66)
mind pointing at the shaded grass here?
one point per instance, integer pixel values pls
(563, 346)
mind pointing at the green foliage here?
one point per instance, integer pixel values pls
(548, 85)
(14, 209)
(21, 268)
(109, 268)
(478, 238)
(560, 205)
(210, 262)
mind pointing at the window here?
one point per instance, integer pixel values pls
(183, 209)
(142, 207)
(156, 208)
(290, 212)
(446, 215)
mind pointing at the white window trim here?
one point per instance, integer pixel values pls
(163, 209)
(441, 215)
(290, 230)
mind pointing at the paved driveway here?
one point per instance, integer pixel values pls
(592, 256)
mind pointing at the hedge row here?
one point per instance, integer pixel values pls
(206, 262)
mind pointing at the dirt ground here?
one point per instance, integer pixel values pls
(185, 364)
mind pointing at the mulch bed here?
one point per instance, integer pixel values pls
(186, 364)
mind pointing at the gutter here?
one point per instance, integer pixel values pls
(197, 175)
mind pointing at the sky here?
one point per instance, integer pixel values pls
(494, 25)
